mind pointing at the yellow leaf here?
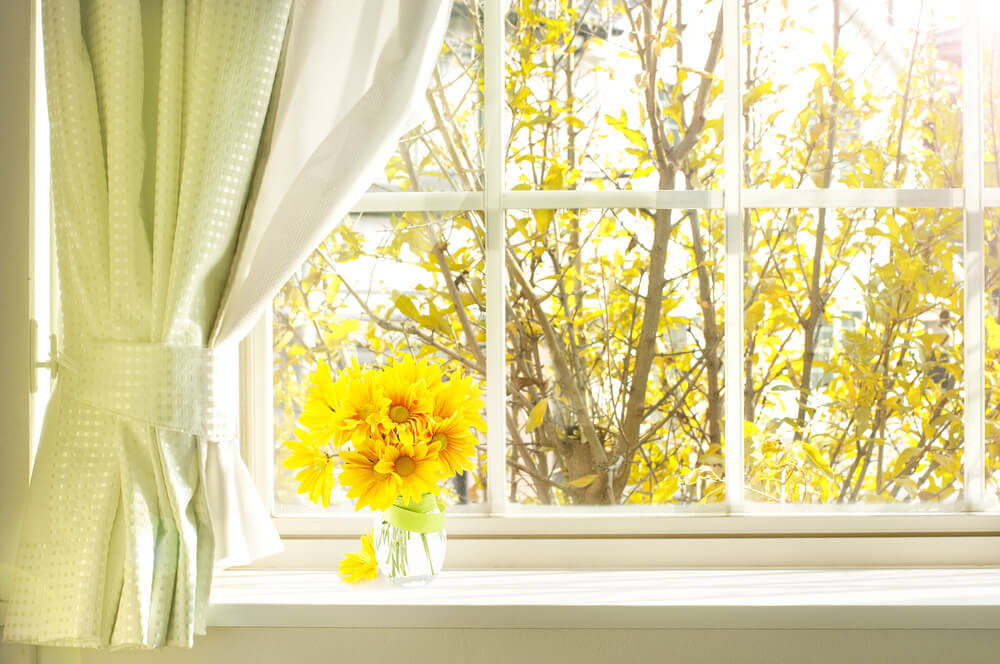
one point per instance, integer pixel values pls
(948, 462)
(537, 415)
(908, 485)
(814, 457)
(332, 289)
(621, 124)
(521, 95)
(754, 314)
(758, 92)
(992, 332)
(418, 241)
(543, 218)
(340, 331)
(904, 458)
(554, 177)
(584, 481)
(666, 489)
(406, 307)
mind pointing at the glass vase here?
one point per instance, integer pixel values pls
(409, 540)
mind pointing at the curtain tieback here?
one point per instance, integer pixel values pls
(172, 387)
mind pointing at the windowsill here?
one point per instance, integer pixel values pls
(941, 598)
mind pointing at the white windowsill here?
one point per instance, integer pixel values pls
(942, 598)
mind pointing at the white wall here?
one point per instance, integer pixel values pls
(15, 196)
(485, 646)
(15, 81)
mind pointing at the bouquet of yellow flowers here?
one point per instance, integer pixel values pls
(393, 433)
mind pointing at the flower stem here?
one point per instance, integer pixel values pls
(427, 552)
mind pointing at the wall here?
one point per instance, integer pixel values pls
(15, 196)
(485, 646)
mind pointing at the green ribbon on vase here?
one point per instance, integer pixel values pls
(416, 517)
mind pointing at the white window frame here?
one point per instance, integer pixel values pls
(734, 532)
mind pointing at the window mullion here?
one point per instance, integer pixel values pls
(418, 201)
(733, 186)
(972, 174)
(493, 40)
(852, 198)
(676, 199)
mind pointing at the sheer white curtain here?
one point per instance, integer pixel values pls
(354, 71)
(157, 110)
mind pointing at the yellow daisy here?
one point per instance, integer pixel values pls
(415, 465)
(317, 412)
(458, 444)
(359, 566)
(411, 401)
(461, 396)
(369, 486)
(316, 476)
(411, 371)
(360, 410)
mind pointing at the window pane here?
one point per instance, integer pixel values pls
(613, 95)
(853, 333)
(850, 95)
(443, 149)
(992, 376)
(381, 286)
(601, 384)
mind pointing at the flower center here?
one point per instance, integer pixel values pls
(365, 411)
(405, 466)
(440, 438)
(399, 413)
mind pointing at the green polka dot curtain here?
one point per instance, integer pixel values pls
(173, 231)
(156, 111)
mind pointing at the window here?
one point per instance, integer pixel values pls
(710, 258)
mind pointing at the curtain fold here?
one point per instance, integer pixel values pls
(156, 109)
(354, 72)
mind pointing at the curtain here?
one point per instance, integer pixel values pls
(354, 71)
(162, 195)
(156, 110)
